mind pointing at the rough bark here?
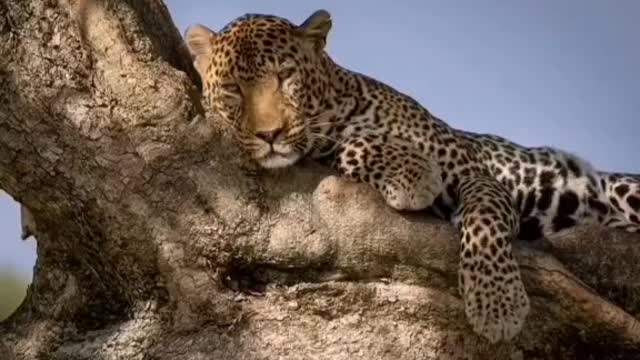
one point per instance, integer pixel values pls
(157, 240)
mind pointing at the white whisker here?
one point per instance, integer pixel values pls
(297, 129)
(328, 138)
(325, 123)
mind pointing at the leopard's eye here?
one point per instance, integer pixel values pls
(231, 88)
(285, 73)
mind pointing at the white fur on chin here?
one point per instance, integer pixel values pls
(274, 161)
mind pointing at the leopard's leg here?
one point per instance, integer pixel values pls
(495, 300)
(623, 194)
(406, 178)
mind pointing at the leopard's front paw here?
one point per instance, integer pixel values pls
(401, 198)
(414, 193)
(496, 305)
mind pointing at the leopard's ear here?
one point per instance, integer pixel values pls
(199, 39)
(316, 28)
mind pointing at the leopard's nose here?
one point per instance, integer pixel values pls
(270, 135)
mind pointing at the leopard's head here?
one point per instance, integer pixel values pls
(267, 78)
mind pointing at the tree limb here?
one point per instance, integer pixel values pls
(156, 239)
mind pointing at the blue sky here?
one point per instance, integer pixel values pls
(544, 72)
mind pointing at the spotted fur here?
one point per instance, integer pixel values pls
(273, 82)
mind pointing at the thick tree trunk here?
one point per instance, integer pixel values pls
(156, 240)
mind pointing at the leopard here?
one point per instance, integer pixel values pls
(273, 82)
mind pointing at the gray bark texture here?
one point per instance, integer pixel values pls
(158, 240)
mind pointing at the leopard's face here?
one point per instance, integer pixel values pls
(264, 77)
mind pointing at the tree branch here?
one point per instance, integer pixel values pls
(157, 239)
